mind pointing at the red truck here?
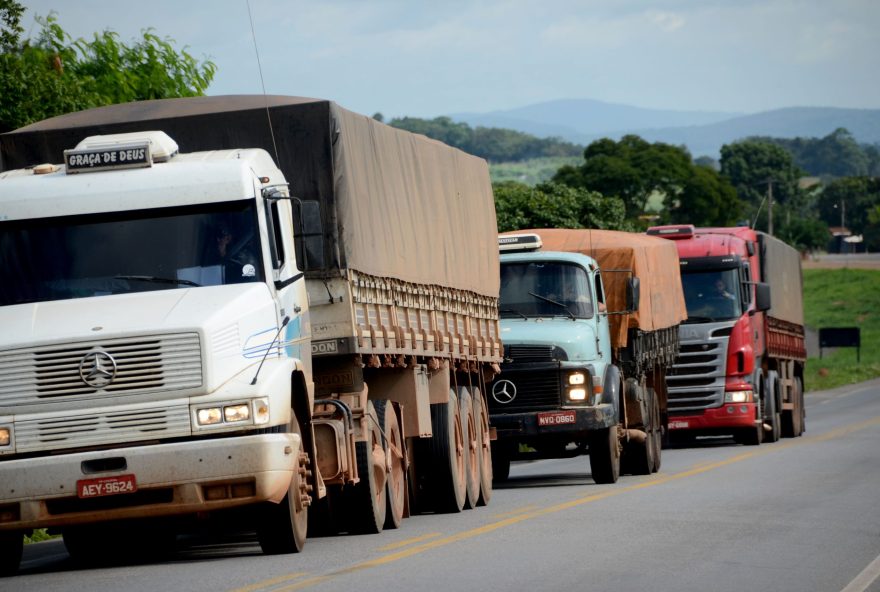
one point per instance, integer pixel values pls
(741, 360)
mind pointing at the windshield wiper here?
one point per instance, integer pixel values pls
(157, 280)
(551, 301)
(503, 310)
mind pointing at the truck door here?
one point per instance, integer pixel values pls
(603, 334)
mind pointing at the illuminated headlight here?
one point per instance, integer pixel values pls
(5, 436)
(210, 416)
(261, 411)
(236, 413)
(577, 378)
(739, 397)
(577, 394)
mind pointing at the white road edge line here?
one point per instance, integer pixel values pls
(868, 576)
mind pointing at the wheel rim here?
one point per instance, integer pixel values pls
(396, 481)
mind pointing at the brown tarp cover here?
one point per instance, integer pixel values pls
(393, 204)
(781, 268)
(653, 260)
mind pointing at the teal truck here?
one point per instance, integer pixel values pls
(589, 323)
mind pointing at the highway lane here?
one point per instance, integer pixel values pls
(801, 514)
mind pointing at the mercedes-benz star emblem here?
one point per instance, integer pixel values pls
(504, 391)
(97, 369)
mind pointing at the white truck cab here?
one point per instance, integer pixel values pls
(152, 310)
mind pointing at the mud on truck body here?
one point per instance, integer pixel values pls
(589, 321)
(323, 370)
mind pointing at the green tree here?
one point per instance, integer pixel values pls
(55, 74)
(849, 202)
(836, 155)
(705, 199)
(551, 205)
(631, 169)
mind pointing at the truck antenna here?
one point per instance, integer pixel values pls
(262, 82)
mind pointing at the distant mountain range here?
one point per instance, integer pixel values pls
(703, 132)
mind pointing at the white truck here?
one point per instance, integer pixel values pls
(292, 319)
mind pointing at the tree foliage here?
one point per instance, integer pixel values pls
(836, 155)
(493, 144)
(551, 205)
(55, 74)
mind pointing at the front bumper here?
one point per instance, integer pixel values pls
(720, 420)
(172, 479)
(526, 424)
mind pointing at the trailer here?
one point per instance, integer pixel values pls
(266, 305)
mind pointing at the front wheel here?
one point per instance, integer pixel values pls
(282, 528)
(605, 455)
(774, 417)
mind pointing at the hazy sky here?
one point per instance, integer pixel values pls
(428, 58)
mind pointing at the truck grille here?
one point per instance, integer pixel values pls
(535, 390)
(696, 381)
(143, 364)
(527, 354)
(95, 429)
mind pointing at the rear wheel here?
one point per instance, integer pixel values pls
(395, 483)
(793, 419)
(481, 419)
(282, 528)
(447, 452)
(366, 500)
(11, 547)
(471, 448)
(656, 435)
(771, 408)
(639, 456)
(605, 455)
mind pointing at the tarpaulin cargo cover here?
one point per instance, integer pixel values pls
(781, 268)
(391, 201)
(653, 260)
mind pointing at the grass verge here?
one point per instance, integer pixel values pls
(843, 298)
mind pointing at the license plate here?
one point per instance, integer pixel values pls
(106, 486)
(553, 418)
(679, 425)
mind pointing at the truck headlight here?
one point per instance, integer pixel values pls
(236, 413)
(577, 378)
(209, 416)
(5, 436)
(739, 396)
(577, 394)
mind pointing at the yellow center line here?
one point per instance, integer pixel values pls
(528, 514)
(269, 583)
(515, 512)
(408, 542)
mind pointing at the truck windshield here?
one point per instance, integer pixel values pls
(121, 252)
(712, 295)
(540, 289)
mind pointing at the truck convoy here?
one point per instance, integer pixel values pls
(270, 305)
(589, 321)
(741, 367)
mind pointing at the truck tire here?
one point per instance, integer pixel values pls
(395, 482)
(481, 419)
(638, 457)
(605, 455)
(283, 527)
(366, 501)
(793, 419)
(772, 415)
(471, 448)
(449, 466)
(655, 436)
(11, 548)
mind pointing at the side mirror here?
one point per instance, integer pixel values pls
(308, 234)
(762, 296)
(632, 294)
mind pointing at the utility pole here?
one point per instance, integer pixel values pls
(770, 207)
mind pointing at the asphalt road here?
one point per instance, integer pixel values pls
(799, 515)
